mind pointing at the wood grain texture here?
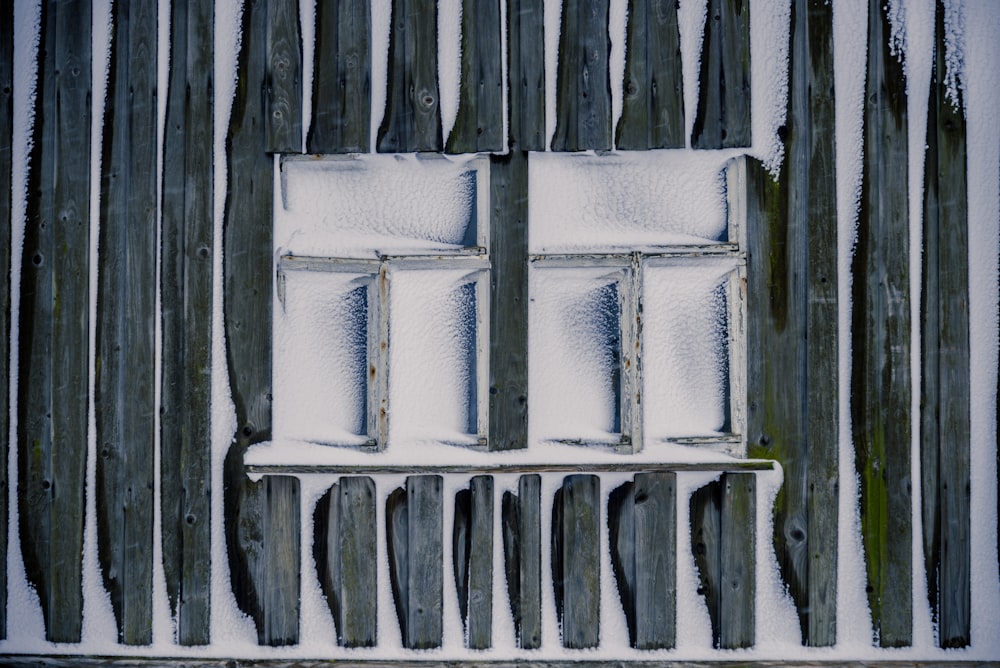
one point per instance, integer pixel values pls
(945, 435)
(653, 102)
(346, 555)
(53, 386)
(508, 407)
(341, 96)
(642, 518)
(526, 75)
(414, 529)
(472, 558)
(479, 123)
(521, 517)
(792, 312)
(186, 278)
(283, 78)
(412, 120)
(6, 140)
(124, 399)
(583, 86)
(251, 509)
(576, 560)
(723, 116)
(881, 377)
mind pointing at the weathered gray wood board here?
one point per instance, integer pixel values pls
(508, 428)
(880, 383)
(186, 277)
(472, 557)
(792, 325)
(6, 139)
(723, 116)
(642, 518)
(723, 517)
(653, 103)
(576, 559)
(54, 322)
(346, 555)
(583, 88)
(283, 79)
(479, 123)
(412, 120)
(526, 75)
(260, 517)
(414, 531)
(945, 434)
(126, 316)
(521, 517)
(341, 97)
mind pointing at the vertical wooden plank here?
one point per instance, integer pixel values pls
(706, 544)
(653, 104)
(344, 547)
(629, 372)
(945, 418)
(479, 123)
(526, 75)
(723, 116)
(583, 91)
(412, 120)
(186, 280)
(252, 508)
(397, 523)
(426, 556)
(880, 384)
(621, 538)
(737, 562)
(792, 309)
(472, 555)
(283, 78)
(6, 139)
(126, 315)
(508, 408)
(521, 516)
(54, 322)
(341, 99)
(576, 560)
(278, 565)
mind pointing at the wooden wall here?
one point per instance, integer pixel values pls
(792, 373)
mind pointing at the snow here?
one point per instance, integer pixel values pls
(585, 203)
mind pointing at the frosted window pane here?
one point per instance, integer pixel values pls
(685, 359)
(432, 356)
(615, 203)
(376, 204)
(320, 358)
(575, 355)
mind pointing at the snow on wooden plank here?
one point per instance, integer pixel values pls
(642, 519)
(472, 556)
(253, 508)
(792, 308)
(283, 79)
(880, 387)
(126, 315)
(722, 536)
(54, 322)
(583, 96)
(526, 74)
(341, 98)
(479, 124)
(186, 278)
(412, 120)
(576, 560)
(521, 517)
(723, 116)
(345, 550)
(653, 102)
(6, 166)
(414, 531)
(945, 428)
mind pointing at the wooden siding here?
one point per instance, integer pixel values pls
(6, 220)
(723, 116)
